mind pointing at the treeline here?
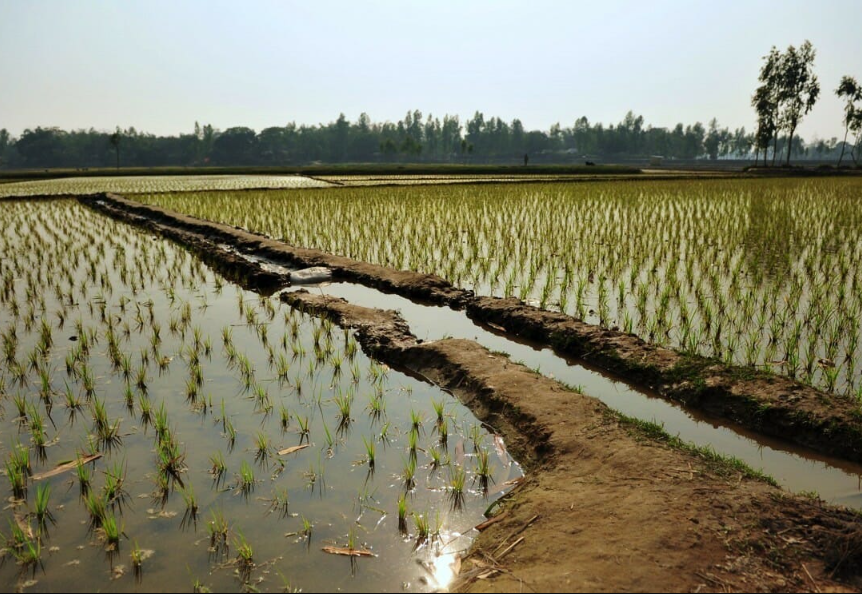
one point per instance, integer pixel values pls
(415, 138)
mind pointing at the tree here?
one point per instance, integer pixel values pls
(235, 146)
(799, 88)
(114, 139)
(713, 140)
(851, 92)
(4, 142)
(765, 102)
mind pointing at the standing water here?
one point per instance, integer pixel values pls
(205, 436)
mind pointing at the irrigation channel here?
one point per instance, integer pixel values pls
(163, 428)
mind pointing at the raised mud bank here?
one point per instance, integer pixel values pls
(608, 504)
(770, 404)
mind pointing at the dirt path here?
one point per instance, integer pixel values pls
(608, 503)
(769, 404)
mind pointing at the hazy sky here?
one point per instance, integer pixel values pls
(161, 65)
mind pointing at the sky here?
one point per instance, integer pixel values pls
(159, 66)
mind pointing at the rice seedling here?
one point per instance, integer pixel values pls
(436, 458)
(84, 476)
(41, 512)
(384, 433)
(244, 554)
(37, 429)
(20, 401)
(27, 551)
(113, 491)
(475, 435)
(218, 467)
(245, 480)
(369, 451)
(170, 460)
(307, 528)
(302, 421)
(146, 409)
(279, 502)
(330, 441)
(230, 431)
(438, 406)
(457, 482)
(284, 415)
(262, 445)
(483, 468)
(412, 442)
(18, 469)
(137, 557)
(408, 473)
(190, 515)
(443, 434)
(344, 401)
(96, 508)
(402, 513)
(423, 527)
(218, 529)
(111, 530)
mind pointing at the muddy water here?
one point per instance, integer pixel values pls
(796, 469)
(329, 484)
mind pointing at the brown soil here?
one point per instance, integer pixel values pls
(608, 504)
(772, 405)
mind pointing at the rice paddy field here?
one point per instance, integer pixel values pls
(165, 429)
(74, 186)
(752, 272)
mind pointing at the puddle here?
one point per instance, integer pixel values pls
(798, 470)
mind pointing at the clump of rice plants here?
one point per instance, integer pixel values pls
(457, 484)
(245, 480)
(41, 511)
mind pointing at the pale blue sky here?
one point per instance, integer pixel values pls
(160, 65)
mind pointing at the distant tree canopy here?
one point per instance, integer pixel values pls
(415, 138)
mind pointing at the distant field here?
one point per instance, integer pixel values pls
(166, 183)
(373, 169)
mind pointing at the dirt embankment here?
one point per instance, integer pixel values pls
(772, 405)
(608, 505)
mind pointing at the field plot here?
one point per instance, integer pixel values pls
(163, 429)
(419, 180)
(752, 272)
(75, 186)
(478, 178)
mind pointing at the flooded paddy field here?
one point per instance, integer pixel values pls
(753, 272)
(579, 452)
(163, 428)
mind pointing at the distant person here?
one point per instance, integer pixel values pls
(526, 159)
